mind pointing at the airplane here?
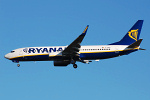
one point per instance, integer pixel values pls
(65, 55)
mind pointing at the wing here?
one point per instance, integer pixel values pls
(73, 49)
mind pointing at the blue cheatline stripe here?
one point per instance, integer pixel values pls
(31, 58)
(104, 55)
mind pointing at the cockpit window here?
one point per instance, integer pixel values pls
(12, 51)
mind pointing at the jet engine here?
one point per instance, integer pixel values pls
(61, 63)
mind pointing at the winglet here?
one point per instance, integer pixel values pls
(84, 32)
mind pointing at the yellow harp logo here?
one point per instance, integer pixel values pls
(133, 34)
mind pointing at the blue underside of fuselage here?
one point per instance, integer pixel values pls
(83, 56)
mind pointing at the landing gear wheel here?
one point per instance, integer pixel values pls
(75, 65)
(18, 65)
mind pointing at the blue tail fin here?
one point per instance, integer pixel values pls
(132, 35)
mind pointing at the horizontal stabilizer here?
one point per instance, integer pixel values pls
(141, 49)
(135, 44)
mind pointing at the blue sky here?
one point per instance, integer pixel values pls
(25, 23)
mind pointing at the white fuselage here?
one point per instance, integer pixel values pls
(53, 51)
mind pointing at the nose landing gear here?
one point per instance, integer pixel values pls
(16, 61)
(18, 65)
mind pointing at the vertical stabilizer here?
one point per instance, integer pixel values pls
(132, 35)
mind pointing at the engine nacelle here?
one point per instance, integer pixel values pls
(61, 63)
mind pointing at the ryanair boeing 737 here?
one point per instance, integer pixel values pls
(65, 55)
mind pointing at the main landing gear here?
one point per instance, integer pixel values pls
(75, 65)
(73, 62)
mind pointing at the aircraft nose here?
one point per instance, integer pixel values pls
(7, 56)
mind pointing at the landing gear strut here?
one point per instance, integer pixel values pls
(18, 65)
(75, 65)
(73, 62)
